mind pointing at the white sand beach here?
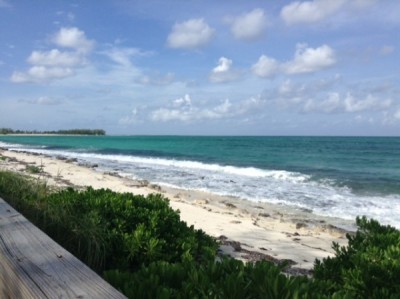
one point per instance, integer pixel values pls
(248, 230)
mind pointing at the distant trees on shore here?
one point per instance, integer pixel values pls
(59, 132)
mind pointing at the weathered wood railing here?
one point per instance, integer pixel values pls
(33, 266)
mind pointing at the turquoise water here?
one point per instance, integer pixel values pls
(334, 176)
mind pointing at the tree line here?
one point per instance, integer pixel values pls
(58, 132)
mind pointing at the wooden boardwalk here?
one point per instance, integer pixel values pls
(33, 266)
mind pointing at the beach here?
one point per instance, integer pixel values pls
(247, 230)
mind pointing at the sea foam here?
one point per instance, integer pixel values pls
(321, 196)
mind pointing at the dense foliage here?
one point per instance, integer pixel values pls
(106, 229)
(369, 267)
(148, 252)
(59, 132)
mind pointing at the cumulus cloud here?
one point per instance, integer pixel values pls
(265, 67)
(308, 60)
(249, 26)
(310, 11)
(55, 57)
(185, 110)
(352, 104)
(57, 64)
(72, 37)
(313, 11)
(192, 34)
(189, 113)
(186, 101)
(37, 74)
(333, 102)
(223, 72)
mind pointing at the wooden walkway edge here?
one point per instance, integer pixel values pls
(34, 266)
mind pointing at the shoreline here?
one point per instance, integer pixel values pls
(247, 230)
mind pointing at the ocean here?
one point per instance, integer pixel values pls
(341, 177)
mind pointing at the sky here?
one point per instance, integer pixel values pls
(201, 67)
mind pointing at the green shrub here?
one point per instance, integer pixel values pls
(226, 279)
(106, 229)
(148, 252)
(34, 169)
(369, 267)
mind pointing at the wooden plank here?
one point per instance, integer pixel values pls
(34, 266)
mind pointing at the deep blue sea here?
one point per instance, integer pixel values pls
(330, 176)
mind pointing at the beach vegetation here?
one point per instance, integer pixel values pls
(34, 169)
(5, 131)
(368, 267)
(106, 229)
(97, 132)
(140, 245)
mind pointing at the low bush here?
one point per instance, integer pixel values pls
(105, 229)
(228, 278)
(369, 267)
(148, 252)
(33, 169)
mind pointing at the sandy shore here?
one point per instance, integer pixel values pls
(247, 230)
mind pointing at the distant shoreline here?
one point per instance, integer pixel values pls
(44, 134)
(72, 132)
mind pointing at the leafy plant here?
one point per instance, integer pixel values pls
(228, 278)
(148, 252)
(34, 169)
(369, 267)
(106, 229)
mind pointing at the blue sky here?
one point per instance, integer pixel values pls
(208, 67)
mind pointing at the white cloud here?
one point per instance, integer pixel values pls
(250, 26)
(192, 34)
(348, 104)
(265, 67)
(182, 109)
(185, 110)
(74, 38)
(331, 104)
(223, 72)
(123, 56)
(38, 74)
(186, 101)
(55, 57)
(351, 104)
(310, 11)
(308, 60)
(56, 64)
